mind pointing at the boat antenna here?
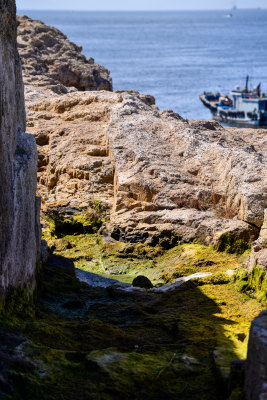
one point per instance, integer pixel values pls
(247, 79)
(259, 89)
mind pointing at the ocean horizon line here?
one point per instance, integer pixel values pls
(138, 11)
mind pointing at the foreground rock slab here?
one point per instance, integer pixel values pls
(158, 174)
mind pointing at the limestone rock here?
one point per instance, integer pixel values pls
(158, 174)
(53, 63)
(259, 248)
(19, 209)
(256, 365)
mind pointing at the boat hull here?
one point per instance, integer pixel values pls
(235, 116)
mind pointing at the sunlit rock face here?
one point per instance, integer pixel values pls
(259, 248)
(19, 209)
(157, 173)
(51, 61)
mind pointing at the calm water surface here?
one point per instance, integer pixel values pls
(174, 56)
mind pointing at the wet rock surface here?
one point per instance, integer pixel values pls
(97, 280)
(10, 357)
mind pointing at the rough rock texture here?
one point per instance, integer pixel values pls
(19, 209)
(259, 248)
(51, 61)
(256, 365)
(159, 174)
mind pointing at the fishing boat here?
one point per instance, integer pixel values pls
(242, 106)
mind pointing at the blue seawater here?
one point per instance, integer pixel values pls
(174, 56)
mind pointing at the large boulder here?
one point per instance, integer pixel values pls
(19, 208)
(158, 174)
(52, 62)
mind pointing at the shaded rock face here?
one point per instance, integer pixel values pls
(142, 282)
(19, 209)
(256, 365)
(158, 174)
(51, 61)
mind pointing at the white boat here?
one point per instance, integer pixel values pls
(242, 106)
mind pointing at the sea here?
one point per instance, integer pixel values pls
(174, 56)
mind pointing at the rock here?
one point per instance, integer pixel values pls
(5, 386)
(19, 208)
(160, 176)
(180, 281)
(10, 356)
(259, 248)
(142, 282)
(53, 63)
(44, 252)
(74, 304)
(236, 378)
(256, 365)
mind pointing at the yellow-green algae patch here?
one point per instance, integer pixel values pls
(133, 345)
(177, 344)
(125, 261)
(257, 284)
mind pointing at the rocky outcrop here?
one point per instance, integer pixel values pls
(51, 61)
(256, 365)
(19, 209)
(158, 174)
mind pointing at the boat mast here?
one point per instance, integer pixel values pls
(247, 80)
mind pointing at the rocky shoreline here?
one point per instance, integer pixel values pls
(127, 191)
(119, 149)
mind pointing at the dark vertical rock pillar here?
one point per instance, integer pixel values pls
(256, 365)
(19, 209)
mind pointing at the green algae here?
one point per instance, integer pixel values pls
(253, 284)
(229, 244)
(218, 278)
(240, 278)
(135, 345)
(161, 263)
(132, 345)
(257, 284)
(62, 225)
(19, 301)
